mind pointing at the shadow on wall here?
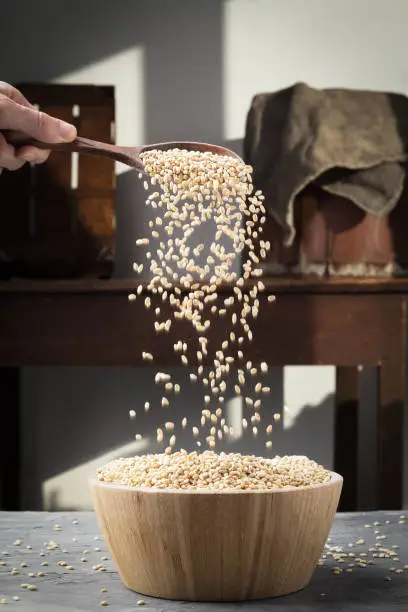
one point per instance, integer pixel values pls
(311, 434)
(71, 415)
(182, 46)
(183, 50)
(70, 429)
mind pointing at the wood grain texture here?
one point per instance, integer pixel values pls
(359, 322)
(335, 237)
(68, 95)
(97, 181)
(61, 590)
(390, 421)
(205, 546)
(346, 434)
(103, 328)
(278, 286)
(390, 437)
(53, 198)
(49, 228)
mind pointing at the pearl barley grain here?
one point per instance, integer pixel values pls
(209, 470)
(192, 188)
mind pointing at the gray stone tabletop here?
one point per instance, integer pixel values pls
(65, 561)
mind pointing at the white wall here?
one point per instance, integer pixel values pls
(270, 45)
(183, 70)
(125, 71)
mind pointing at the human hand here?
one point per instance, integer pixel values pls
(16, 113)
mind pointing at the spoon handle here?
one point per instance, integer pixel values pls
(19, 139)
(79, 145)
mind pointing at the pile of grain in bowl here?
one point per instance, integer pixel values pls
(212, 471)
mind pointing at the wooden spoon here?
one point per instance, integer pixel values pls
(127, 155)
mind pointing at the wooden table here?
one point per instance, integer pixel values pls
(373, 588)
(343, 323)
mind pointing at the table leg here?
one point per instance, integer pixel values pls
(10, 442)
(346, 435)
(390, 432)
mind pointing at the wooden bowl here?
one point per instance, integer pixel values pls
(216, 546)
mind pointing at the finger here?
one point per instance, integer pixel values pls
(14, 94)
(39, 125)
(8, 159)
(32, 155)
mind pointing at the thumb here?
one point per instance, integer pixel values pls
(35, 123)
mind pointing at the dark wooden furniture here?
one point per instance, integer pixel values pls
(336, 238)
(342, 323)
(57, 220)
(374, 588)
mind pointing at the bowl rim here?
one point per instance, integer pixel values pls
(334, 478)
